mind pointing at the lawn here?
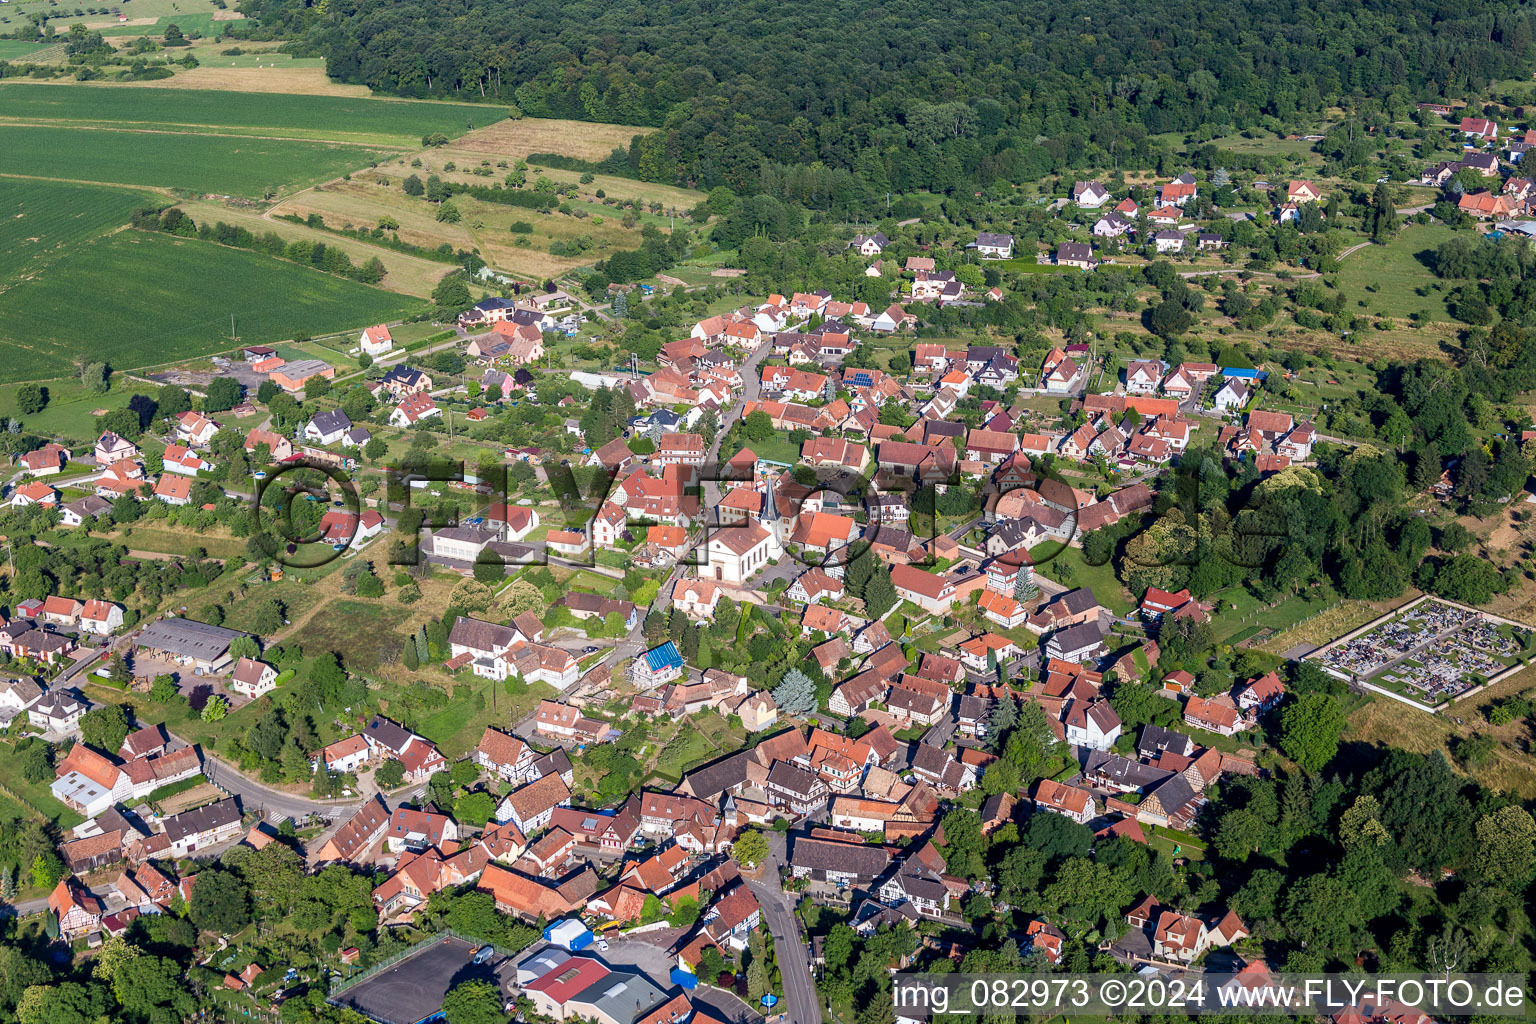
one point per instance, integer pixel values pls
(34, 793)
(41, 220)
(243, 166)
(1069, 569)
(398, 123)
(71, 410)
(1396, 270)
(156, 298)
(1239, 610)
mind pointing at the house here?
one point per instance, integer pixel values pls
(1060, 374)
(252, 678)
(77, 911)
(112, 448)
(34, 493)
(58, 711)
(1177, 192)
(894, 318)
(88, 782)
(416, 830)
(696, 598)
(357, 836)
(1091, 724)
(1070, 801)
(173, 490)
(931, 593)
(1478, 128)
(86, 509)
(1046, 939)
(994, 246)
(657, 666)
(375, 341)
(814, 585)
(506, 756)
(1261, 694)
(413, 409)
(1232, 395)
(1216, 714)
(836, 863)
(1302, 191)
(1075, 254)
(194, 428)
(1168, 241)
(1080, 643)
(48, 460)
(1143, 376)
(1001, 609)
(1089, 194)
(327, 427)
(343, 756)
(531, 806)
(1112, 225)
(870, 245)
(202, 827)
(183, 460)
(403, 380)
(795, 789)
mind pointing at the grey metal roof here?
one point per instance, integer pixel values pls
(188, 638)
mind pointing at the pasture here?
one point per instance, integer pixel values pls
(358, 120)
(41, 220)
(1397, 270)
(156, 298)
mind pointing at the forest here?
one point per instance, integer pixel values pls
(918, 95)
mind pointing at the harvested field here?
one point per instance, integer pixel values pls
(288, 80)
(583, 140)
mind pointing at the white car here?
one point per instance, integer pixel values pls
(602, 944)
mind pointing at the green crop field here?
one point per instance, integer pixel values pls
(199, 163)
(141, 299)
(41, 220)
(400, 123)
(16, 49)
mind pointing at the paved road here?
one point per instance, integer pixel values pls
(273, 805)
(802, 1003)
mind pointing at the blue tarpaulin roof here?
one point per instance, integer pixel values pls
(665, 656)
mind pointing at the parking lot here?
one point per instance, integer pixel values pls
(413, 989)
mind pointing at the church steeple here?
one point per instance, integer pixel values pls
(770, 510)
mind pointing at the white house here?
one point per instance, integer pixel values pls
(1168, 241)
(327, 427)
(1090, 194)
(253, 678)
(1094, 725)
(101, 617)
(1232, 394)
(376, 341)
(413, 409)
(994, 246)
